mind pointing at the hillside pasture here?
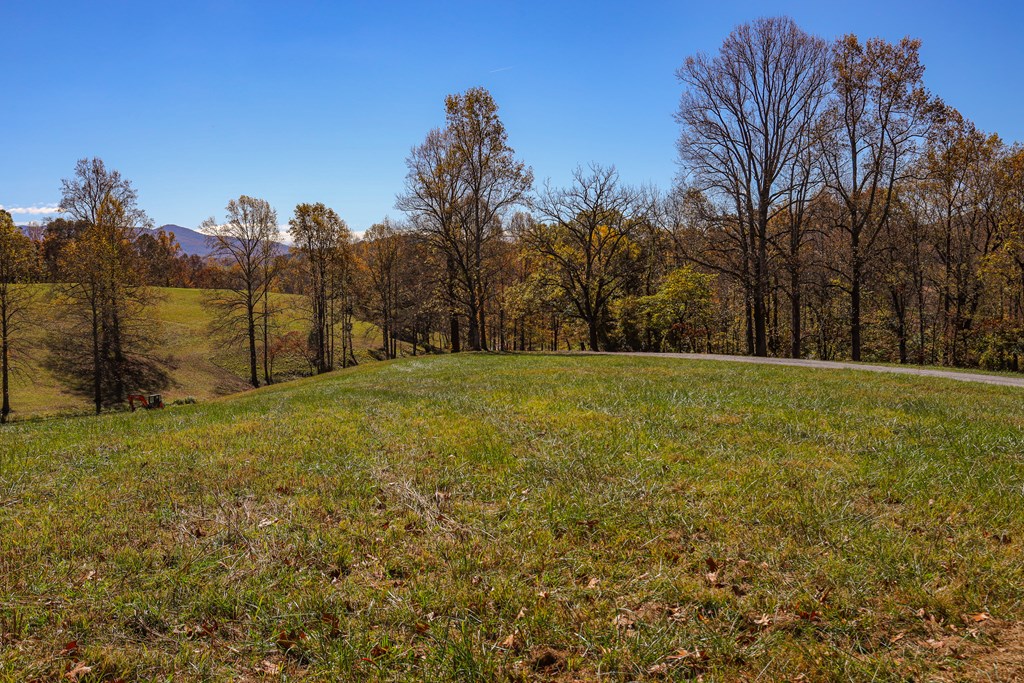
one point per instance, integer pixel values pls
(483, 517)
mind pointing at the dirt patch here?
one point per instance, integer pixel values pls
(548, 660)
(997, 656)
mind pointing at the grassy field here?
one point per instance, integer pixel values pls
(485, 517)
(200, 366)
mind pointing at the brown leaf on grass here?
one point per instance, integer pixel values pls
(70, 649)
(980, 616)
(624, 621)
(510, 643)
(763, 620)
(712, 565)
(333, 624)
(378, 650)
(421, 627)
(290, 640)
(593, 583)
(269, 667)
(77, 672)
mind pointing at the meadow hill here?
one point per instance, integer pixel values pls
(475, 442)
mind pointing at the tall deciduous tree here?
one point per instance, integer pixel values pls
(746, 115)
(323, 242)
(461, 183)
(17, 256)
(104, 301)
(102, 292)
(879, 113)
(246, 244)
(381, 251)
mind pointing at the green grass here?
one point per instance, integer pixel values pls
(200, 366)
(484, 517)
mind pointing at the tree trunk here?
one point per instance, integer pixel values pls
(483, 328)
(855, 307)
(5, 408)
(254, 378)
(453, 322)
(794, 315)
(592, 325)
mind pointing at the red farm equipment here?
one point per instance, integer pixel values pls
(148, 402)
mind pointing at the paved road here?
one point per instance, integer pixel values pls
(1002, 380)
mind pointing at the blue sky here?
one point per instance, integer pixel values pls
(301, 101)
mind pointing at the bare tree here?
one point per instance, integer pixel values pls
(586, 234)
(84, 194)
(246, 244)
(746, 114)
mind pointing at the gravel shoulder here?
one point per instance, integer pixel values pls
(1001, 380)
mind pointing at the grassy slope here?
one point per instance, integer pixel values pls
(474, 517)
(202, 367)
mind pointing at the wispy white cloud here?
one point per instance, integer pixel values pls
(504, 68)
(31, 210)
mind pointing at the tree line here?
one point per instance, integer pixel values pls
(828, 206)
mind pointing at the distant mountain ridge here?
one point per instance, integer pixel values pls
(192, 241)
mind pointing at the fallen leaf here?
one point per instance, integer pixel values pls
(287, 640)
(593, 583)
(269, 667)
(77, 672)
(981, 616)
(623, 620)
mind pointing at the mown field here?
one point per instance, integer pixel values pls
(484, 517)
(200, 365)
